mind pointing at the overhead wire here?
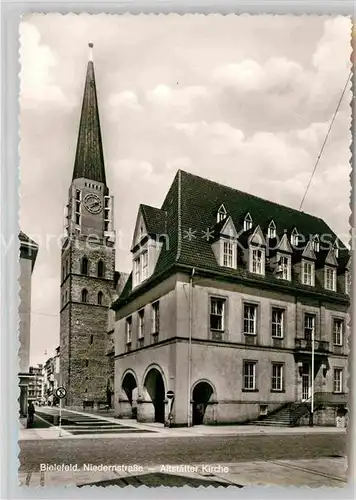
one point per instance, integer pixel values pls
(325, 140)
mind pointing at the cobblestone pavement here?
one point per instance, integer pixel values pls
(179, 450)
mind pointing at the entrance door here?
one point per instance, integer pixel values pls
(305, 382)
(201, 396)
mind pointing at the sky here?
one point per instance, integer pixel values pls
(242, 100)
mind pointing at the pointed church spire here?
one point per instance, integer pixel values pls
(89, 158)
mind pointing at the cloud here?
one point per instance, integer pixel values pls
(164, 95)
(124, 99)
(220, 137)
(275, 75)
(37, 60)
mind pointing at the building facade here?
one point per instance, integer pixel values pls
(28, 255)
(35, 383)
(87, 263)
(237, 305)
(51, 378)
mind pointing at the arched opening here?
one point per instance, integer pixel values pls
(100, 298)
(128, 386)
(154, 386)
(202, 394)
(84, 295)
(100, 269)
(84, 266)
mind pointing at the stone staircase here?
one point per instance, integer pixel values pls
(297, 413)
(288, 415)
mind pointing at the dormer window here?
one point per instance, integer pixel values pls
(221, 215)
(257, 260)
(140, 268)
(330, 278)
(272, 230)
(316, 244)
(228, 251)
(294, 239)
(283, 269)
(247, 222)
(308, 273)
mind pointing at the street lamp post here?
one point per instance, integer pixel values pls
(311, 423)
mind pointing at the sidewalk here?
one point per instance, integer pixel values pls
(161, 431)
(330, 472)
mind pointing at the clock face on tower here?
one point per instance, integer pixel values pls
(93, 203)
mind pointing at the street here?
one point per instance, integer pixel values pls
(179, 450)
(98, 449)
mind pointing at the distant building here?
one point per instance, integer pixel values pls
(226, 294)
(28, 254)
(35, 383)
(51, 377)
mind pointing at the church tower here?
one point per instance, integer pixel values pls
(87, 262)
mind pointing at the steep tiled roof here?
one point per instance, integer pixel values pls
(191, 206)
(89, 158)
(155, 219)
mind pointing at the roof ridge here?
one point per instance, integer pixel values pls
(249, 194)
(179, 216)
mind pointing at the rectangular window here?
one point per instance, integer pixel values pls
(106, 214)
(217, 313)
(308, 273)
(144, 265)
(106, 201)
(78, 194)
(277, 377)
(309, 326)
(277, 322)
(155, 318)
(257, 261)
(283, 268)
(330, 278)
(128, 327)
(137, 270)
(228, 254)
(347, 282)
(106, 225)
(140, 268)
(77, 219)
(250, 319)
(338, 331)
(141, 323)
(337, 386)
(271, 232)
(249, 375)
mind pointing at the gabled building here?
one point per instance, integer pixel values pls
(226, 294)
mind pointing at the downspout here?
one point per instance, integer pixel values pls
(190, 345)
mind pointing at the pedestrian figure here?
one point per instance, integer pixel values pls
(30, 414)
